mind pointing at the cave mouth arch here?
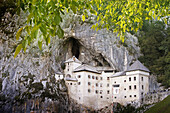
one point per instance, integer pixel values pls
(75, 47)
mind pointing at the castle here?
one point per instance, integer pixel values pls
(97, 87)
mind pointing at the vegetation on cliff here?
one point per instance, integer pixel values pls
(154, 41)
(161, 107)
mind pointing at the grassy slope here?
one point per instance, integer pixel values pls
(161, 107)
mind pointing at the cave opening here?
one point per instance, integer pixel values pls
(75, 48)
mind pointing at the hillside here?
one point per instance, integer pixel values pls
(161, 107)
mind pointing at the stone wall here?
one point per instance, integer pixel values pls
(157, 96)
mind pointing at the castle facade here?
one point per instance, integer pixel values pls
(97, 87)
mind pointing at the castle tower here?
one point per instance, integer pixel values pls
(71, 64)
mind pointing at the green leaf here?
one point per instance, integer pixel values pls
(34, 31)
(43, 29)
(73, 8)
(28, 28)
(40, 45)
(57, 19)
(52, 32)
(83, 18)
(60, 32)
(19, 33)
(33, 2)
(25, 42)
(19, 6)
(18, 49)
(35, 28)
(48, 40)
(165, 20)
(29, 18)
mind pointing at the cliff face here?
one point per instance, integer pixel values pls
(100, 47)
(32, 74)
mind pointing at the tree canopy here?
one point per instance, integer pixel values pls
(122, 16)
(154, 42)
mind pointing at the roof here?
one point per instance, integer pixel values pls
(104, 68)
(70, 79)
(73, 59)
(137, 65)
(59, 73)
(86, 67)
(119, 74)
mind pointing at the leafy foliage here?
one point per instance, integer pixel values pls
(155, 46)
(123, 15)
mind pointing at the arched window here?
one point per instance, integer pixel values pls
(68, 76)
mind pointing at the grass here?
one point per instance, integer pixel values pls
(161, 107)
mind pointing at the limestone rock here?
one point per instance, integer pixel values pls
(35, 68)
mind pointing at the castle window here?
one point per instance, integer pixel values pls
(79, 83)
(101, 85)
(142, 78)
(79, 98)
(134, 86)
(96, 78)
(107, 85)
(142, 86)
(134, 78)
(134, 95)
(124, 88)
(96, 84)
(101, 96)
(125, 96)
(67, 69)
(107, 78)
(68, 64)
(100, 91)
(108, 91)
(124, 80)
(92, 77)
(79, 76)
(70, 83)
(130, 88)
(130, 96)
(89, 90)
(68, 76)
(89, 83)
(101, 78)
(89, 76)
(117, 85)
(96, 91)
(129, 78)
(115, 97)
(115, 82)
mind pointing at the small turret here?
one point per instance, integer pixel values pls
(71, 64)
